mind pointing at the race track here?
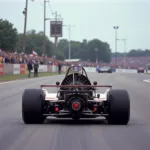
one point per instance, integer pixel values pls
(65, 134)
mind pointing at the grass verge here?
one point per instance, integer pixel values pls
(24, 76)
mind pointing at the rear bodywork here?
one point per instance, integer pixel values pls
(89, 104)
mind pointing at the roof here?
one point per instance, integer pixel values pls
(72, 60)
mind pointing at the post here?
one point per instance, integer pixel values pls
(56, 38)
(44, 42)
(116, 47)
(116, 27)
(69, 43)
(124, 60)
(124, 53)
(25, 26)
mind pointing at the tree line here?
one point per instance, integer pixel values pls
(134, 53)
(11, 40)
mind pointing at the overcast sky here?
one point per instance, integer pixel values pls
(92, 19)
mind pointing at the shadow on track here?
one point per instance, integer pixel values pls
(80, 122)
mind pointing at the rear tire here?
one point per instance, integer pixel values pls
(118, 107)
(32, 106)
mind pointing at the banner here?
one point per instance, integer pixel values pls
(1, 69)
(26, 69)
(16, 69)
(42, 68)
(22, 69)
(54, 68)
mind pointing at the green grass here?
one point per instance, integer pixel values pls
(24, 76)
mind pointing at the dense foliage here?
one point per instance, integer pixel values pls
(11, 40)
(134, 53)
(8, 35)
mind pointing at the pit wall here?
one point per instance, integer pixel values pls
(14, 69)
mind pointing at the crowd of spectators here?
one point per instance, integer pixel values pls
(132, 62)
(21, 58)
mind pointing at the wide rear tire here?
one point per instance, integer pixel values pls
(32, 106)
(118, 107)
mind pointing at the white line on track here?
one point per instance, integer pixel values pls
(147, 80)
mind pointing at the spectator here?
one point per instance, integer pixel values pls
(1, 59)
(59, 68)
(29, 68)
(36, 66)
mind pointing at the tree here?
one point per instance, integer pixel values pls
(133, 53)
(8, 35)
(35, 41)
(62, 50)
(97, 49)
(85, 50)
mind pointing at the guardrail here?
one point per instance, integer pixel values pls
(8, 69)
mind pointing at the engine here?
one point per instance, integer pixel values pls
(76, 78)
(76, 101)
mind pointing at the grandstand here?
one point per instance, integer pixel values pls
(131, 62)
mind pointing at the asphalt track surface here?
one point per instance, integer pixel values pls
(59, 134)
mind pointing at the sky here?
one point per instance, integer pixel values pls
(90, 19)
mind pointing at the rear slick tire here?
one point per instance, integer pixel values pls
(32, 106)
(118, 107)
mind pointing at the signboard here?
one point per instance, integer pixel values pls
(54, 68)
(16, 69)
(42, 68)
(1, 69)
(22, 69)
(56, 28)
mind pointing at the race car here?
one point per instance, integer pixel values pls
(76, 98)
(140, 70)
(104, 69)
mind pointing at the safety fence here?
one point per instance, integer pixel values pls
(14, 69)
(10, 69)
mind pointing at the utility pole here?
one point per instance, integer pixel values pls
(125, 53)
(56, 19)
(116, 27)
(44, 40)
(124, 40)
(25, 25)
(69, 28)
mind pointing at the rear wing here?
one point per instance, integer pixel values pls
(93, 88)
(76, 86)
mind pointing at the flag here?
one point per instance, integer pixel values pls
(30, 55)
(34, 53)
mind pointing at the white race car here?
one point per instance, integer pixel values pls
(76, 98)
